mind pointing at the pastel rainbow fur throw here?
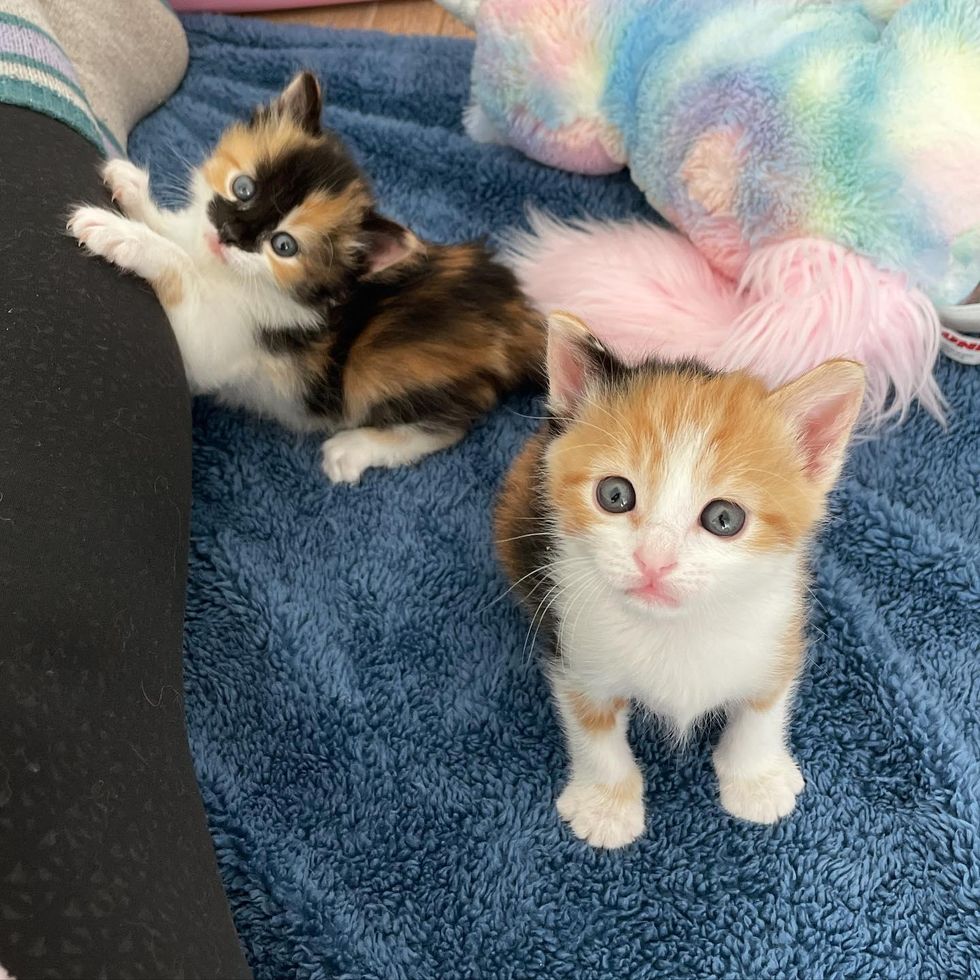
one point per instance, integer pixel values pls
(821, 156)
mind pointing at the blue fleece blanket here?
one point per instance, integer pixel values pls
(377, 754)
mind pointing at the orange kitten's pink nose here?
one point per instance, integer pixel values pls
(654, 565)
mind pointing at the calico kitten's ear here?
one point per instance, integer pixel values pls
(574, 356)
(386, 243)
(822, 407)
(302, 101)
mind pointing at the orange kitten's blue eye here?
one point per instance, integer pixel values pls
(243, 187)
(615, 494)
(723, 518)
(284, 245)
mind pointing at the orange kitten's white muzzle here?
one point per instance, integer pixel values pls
(654, 586)
(656, 593)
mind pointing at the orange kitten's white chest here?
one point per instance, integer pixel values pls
(688, 663)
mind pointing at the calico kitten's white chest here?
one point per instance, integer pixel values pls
(219, 326)
(680, 667)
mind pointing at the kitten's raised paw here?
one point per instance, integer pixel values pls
(128, 184)
(105, 233)
(604, 816)
(762, 797)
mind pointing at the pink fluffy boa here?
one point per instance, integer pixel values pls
(646, 291)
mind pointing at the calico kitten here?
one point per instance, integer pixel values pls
(658, 527)
(292, 296)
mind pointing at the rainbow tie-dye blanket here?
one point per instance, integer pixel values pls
(748, 122)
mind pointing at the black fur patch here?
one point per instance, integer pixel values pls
(378, 304)
(280, 186)
(289, 340)
(425, 301)
(453, 405)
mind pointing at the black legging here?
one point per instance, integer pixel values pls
(106, 866)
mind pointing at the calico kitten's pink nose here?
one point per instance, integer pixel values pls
(214, 244)
(654, 565)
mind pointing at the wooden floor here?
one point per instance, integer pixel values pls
(393, 16)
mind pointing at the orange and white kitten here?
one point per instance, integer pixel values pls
(659, 525)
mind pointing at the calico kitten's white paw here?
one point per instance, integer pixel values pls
(604, 816)
(764, 796)
(348, 454)
(128, 184)
(105, 233)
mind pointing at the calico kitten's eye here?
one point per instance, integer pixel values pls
(615, 494)
(243, 187)
(284, 245)
(723, 518)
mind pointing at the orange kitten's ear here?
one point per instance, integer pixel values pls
(823, 406)
(386, 243)
(302, 101)
(574, 356)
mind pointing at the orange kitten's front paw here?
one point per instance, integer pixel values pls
(604, 816)
(762, 797)
(128, 184)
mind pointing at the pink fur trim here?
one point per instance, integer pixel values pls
(643, 290)
(810, 300)
(647, 291)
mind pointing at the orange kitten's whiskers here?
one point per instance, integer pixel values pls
(542, 571)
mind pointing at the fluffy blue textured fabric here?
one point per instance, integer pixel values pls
(376, 750)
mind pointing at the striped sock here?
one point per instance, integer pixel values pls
(97, 65)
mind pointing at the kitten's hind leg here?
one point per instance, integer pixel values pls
(349, 453)
(134, 247)
(603, 801)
